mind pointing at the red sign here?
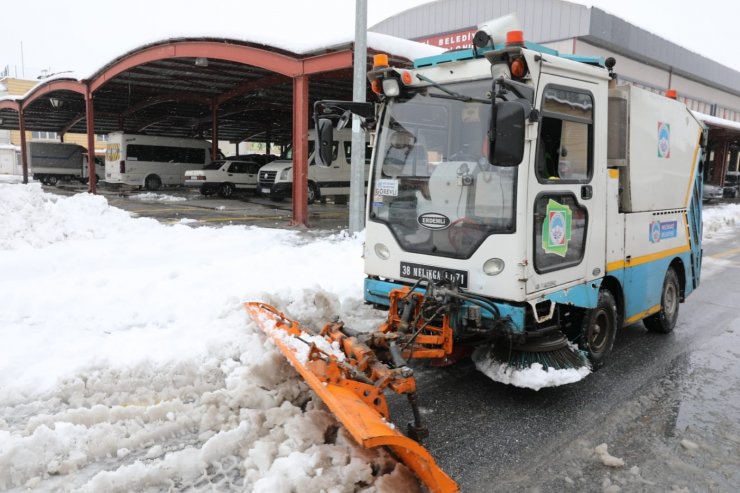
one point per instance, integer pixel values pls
(455, 40)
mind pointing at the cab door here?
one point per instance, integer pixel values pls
(566, 189)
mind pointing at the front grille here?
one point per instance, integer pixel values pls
(267, 178)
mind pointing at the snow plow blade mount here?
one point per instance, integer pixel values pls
(359, 405)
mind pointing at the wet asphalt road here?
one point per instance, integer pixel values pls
(668, 405)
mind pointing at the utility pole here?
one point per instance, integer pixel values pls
(357, 182)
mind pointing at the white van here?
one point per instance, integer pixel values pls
(150, 162)
(276, 178)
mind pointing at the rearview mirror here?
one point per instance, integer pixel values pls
(507, 133)
(324, 138)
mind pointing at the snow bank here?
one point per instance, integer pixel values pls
(128, 363)
(719, 220)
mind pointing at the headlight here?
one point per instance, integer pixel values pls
(493, 266)
(284, 174)
(382, 251)
(391, 88)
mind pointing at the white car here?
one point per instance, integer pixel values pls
(224, 177)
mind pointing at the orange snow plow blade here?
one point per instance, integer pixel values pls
(357, 401)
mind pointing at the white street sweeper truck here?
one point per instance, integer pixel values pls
(520, 204)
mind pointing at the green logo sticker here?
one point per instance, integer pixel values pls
(556, 228)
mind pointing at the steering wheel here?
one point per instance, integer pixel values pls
(464, 232)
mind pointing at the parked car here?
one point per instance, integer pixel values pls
(732, 185)
(259, 158)
(224, 177)
(712, 192)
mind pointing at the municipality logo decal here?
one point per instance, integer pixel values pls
(556, 228)
(433, 220)
(664, 140)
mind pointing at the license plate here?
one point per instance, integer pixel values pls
(265, 190)
(417, 271)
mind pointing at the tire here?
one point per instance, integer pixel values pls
(52, 180)
(599, 329)
(226, 190)
(313, 193)
(664, 321)
(276, 198)
(152, 183)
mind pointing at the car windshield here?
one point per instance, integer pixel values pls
(214, 165)
(432, 183)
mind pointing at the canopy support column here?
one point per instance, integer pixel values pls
(300, 151)
(24, 148)
(214, 130)
(90, 127)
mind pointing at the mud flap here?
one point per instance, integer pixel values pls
(364, 421)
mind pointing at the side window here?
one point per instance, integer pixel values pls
(559, 232)
(565, 144)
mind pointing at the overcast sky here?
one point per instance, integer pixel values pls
(81, 35)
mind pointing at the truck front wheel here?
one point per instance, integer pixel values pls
(599, 329)
(664, 321)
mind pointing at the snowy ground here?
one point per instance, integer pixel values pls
(128, 364)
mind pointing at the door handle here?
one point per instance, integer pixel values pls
(587, 192)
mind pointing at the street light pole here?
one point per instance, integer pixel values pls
(357, 182)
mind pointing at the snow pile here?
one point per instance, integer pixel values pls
(129, 364)
(720, 219)
(31, 218)
(157, 197)
(535, 377)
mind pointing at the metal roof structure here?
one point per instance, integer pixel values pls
(215, 88)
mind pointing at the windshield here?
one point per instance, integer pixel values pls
(432, 184)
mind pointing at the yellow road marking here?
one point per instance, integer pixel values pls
(726, 253)
(142, 211)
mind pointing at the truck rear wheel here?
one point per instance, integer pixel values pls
(599, 329)
(152, 183)
(51, 180)
(664, 321)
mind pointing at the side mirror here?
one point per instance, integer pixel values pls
(324, 138)
(507, 133)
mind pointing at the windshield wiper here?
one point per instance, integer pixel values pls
(450, 94)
